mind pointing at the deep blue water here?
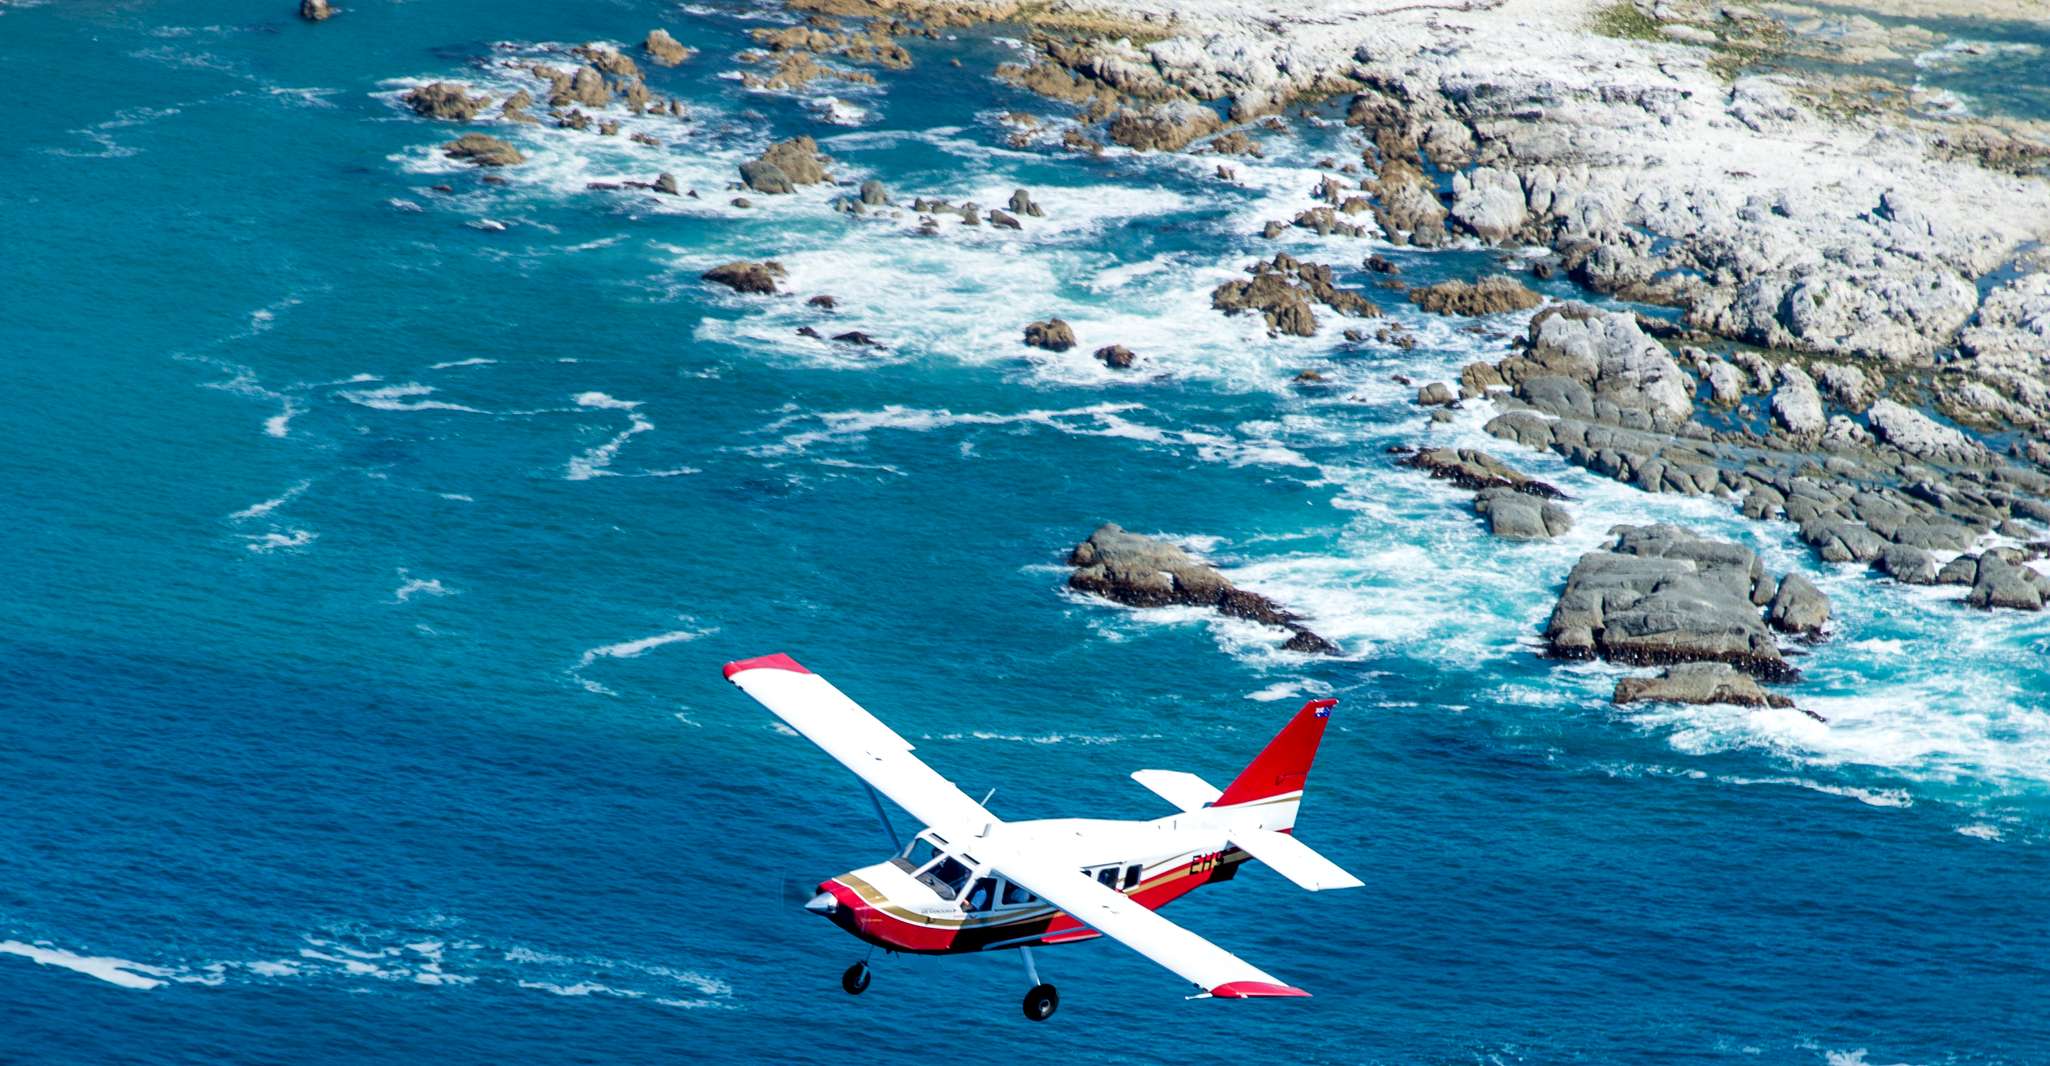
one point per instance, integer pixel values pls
(368, 574)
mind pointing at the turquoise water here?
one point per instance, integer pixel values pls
(369, 575)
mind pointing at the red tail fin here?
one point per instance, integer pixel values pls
(1284, 764)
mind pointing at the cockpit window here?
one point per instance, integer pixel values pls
(981, 896)
(945, 876)
(922, 850)
(1108, 876)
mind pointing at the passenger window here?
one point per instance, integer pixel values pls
(1015, 894)
(981, 896)
(1108, 876)
(1132, 875)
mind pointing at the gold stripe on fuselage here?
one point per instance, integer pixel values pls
(875, 897)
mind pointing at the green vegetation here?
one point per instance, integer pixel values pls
(1625, 19)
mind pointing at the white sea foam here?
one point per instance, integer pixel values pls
(265, 543)
(107, 968)
(627, 649)
(597, 462)
(473, 361)
(265, 507)
(405, 397)
(410, 587)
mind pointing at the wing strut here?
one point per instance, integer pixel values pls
(883, 817)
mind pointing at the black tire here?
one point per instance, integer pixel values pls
(1041, 1002)
(856, 979)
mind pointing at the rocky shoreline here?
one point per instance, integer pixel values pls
(1857, 344)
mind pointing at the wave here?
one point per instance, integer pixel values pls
(403, 398)
(114, 971)
(436, 957)
(597, 461)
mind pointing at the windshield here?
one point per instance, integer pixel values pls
(946, 876)
(922, 850)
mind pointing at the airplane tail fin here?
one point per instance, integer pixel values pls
(1284, 764)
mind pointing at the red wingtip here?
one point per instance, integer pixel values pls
(1256, 990)
(778, 661)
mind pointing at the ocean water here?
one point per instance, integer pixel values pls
(370, 554)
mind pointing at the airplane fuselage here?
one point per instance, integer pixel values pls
(911, 904)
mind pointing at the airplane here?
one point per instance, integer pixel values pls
(971, 881)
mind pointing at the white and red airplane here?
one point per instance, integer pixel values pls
(974, 882)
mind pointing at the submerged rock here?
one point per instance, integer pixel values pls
(1699, 683)
(743, 276)
(1142, 571)
(481, 150)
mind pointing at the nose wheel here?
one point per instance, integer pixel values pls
(855, 980)
(1041, 1002)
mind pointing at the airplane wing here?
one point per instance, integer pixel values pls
(1216, 971)
(859, 741)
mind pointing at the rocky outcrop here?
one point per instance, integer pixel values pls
(1660, 595)
(1054, 335)
(1281, 290)
(1699, 683)
(1921, 436)
(1406, 205)
(1142, 571)
(1998, 579)
(743, 276)
(1163, 127)
(445, 100)
(1514, 515)
(1587, 363)
(664, 50)
(1798, 607)
(1488, 296)
(317, 10)
(1471, 468)
(784, 165)
(481, 150)
(1116, 357)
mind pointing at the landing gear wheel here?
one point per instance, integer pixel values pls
(1041, 1002)
(856, 979)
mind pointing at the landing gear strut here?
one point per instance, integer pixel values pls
(1042, 1001)
(856, 979)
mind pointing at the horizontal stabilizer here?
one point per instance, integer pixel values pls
(1295, 860)
(1186, 791)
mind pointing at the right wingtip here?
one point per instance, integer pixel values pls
(777, 661)
(1257, 990)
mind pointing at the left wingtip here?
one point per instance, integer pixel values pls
(1257, 990)
(778, 661)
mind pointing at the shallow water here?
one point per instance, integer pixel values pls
(370, 572)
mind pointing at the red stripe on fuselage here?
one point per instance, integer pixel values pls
(877, 925)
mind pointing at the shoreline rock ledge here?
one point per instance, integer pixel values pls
(1142, 571)
(1660, 595)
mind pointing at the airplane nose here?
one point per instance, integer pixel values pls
(823, 905)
